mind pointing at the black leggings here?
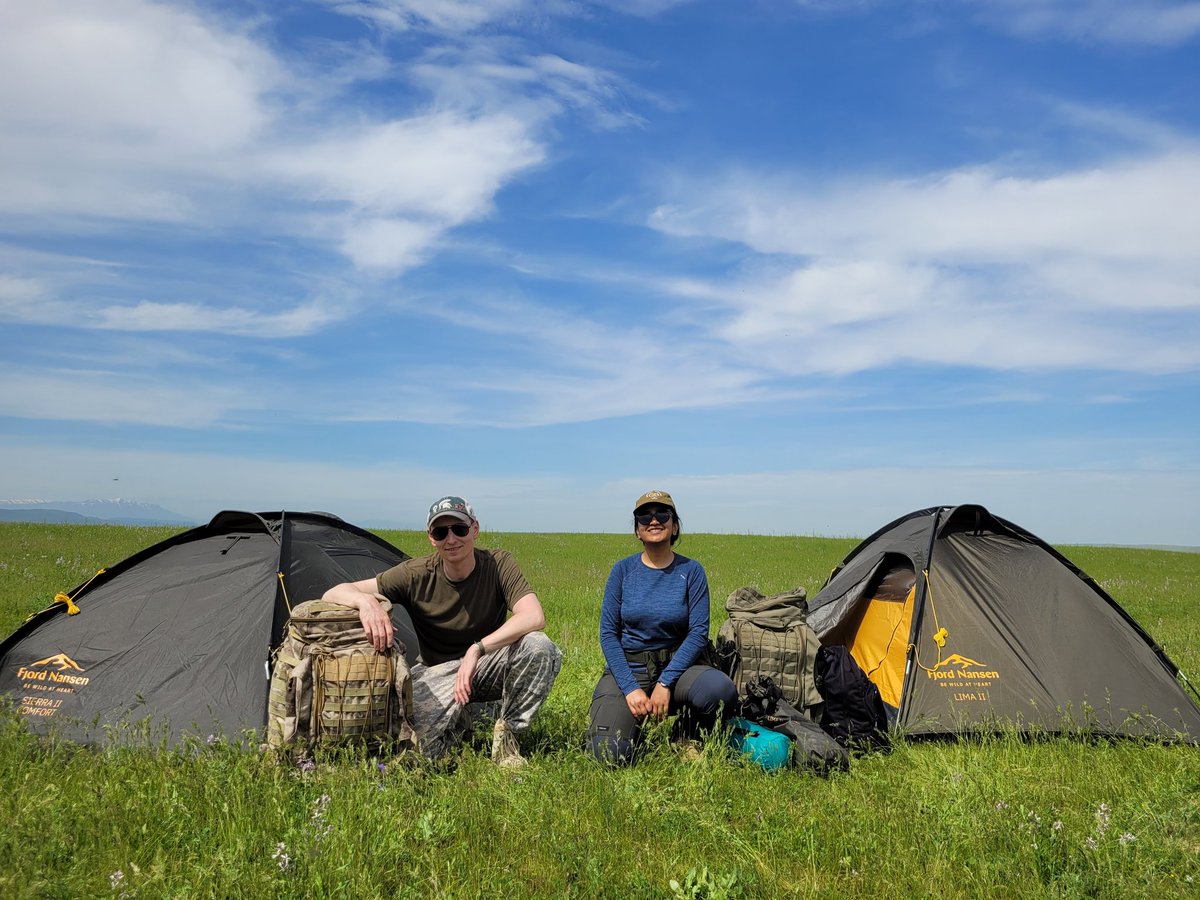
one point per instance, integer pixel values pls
(699, 696)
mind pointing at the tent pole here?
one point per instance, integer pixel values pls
(917, 615)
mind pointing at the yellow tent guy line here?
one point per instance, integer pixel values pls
(283, 587)
(72, 608)
(939, 635)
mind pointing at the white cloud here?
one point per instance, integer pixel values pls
(33, 301)
(1123, 210)
(588, 369)
(974, 267)
(145, 77)
(444, 165)
(1151, 23)
(118, 398)
(452, 16)
(1147, 22)
(378, 243)
(458, 17)
(168, 117)
(538, 86)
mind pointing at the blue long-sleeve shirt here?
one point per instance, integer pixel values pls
(654, 609)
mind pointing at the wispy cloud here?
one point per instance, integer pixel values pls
(979, 267)
(1148, 22)
(29, 301)
(120, 397)
(448, 16)
(1152, 23)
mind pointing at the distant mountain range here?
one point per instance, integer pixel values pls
(90, 512)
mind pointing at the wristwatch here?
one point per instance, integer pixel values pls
(482, 649)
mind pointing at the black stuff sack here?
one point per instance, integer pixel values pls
(854, 714)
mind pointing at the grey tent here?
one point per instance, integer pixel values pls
(181, 633)
(967, 622)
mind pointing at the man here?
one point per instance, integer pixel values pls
(479, 630)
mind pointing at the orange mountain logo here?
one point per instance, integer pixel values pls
(957, 659)
(958, 667)
(64, 663)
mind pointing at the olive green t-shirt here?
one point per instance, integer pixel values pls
(449, 616)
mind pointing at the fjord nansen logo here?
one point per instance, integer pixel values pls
(57, 669)
(957, 666)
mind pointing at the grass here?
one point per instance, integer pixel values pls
(1000, 817)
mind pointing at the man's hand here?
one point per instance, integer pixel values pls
(466, 672)
(660, 701)
(376, 623)
(361, 595)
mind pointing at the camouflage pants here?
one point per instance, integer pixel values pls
(509, 685)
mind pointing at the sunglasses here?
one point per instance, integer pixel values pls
(662, 515)
(439, 532)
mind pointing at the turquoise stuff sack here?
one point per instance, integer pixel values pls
(768, 748)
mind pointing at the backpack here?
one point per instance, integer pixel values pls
(854, 714)
(770, 636)
(330, 687)
(811, 747)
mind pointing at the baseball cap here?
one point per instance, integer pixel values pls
(455, 507)
(660, 497)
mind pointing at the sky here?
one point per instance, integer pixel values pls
(808, 265)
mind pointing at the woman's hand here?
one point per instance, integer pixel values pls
(638, 703)
(660, 701)
(655, 705)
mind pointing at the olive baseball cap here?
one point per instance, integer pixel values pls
(660, 497)
(455, 507)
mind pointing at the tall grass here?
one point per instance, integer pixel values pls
(999, 817)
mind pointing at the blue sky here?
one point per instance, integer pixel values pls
(806, 265)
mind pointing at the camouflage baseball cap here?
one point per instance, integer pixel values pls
(660, 497)
(456, 507)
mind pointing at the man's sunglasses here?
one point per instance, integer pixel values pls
(439, 532)
(662, 515)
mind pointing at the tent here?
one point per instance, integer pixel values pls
(181, 633)
(967, 622)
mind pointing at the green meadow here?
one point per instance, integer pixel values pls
(996, 817)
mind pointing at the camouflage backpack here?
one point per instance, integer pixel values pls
(770, 636)
(330, 687)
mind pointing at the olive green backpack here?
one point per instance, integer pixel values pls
(771, 636)
(331, 688)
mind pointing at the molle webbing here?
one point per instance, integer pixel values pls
(771, 636)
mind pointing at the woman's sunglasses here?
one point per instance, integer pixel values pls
(439, 532)
(662, 515)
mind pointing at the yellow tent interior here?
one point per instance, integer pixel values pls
(877, 633)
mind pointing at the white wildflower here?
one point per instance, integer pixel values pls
(1103, 816)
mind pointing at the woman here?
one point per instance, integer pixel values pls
(654, 634)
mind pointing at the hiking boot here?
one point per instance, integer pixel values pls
(505, 752)
(688, 749)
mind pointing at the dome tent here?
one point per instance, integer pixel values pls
(179, 635)
(966, 621)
